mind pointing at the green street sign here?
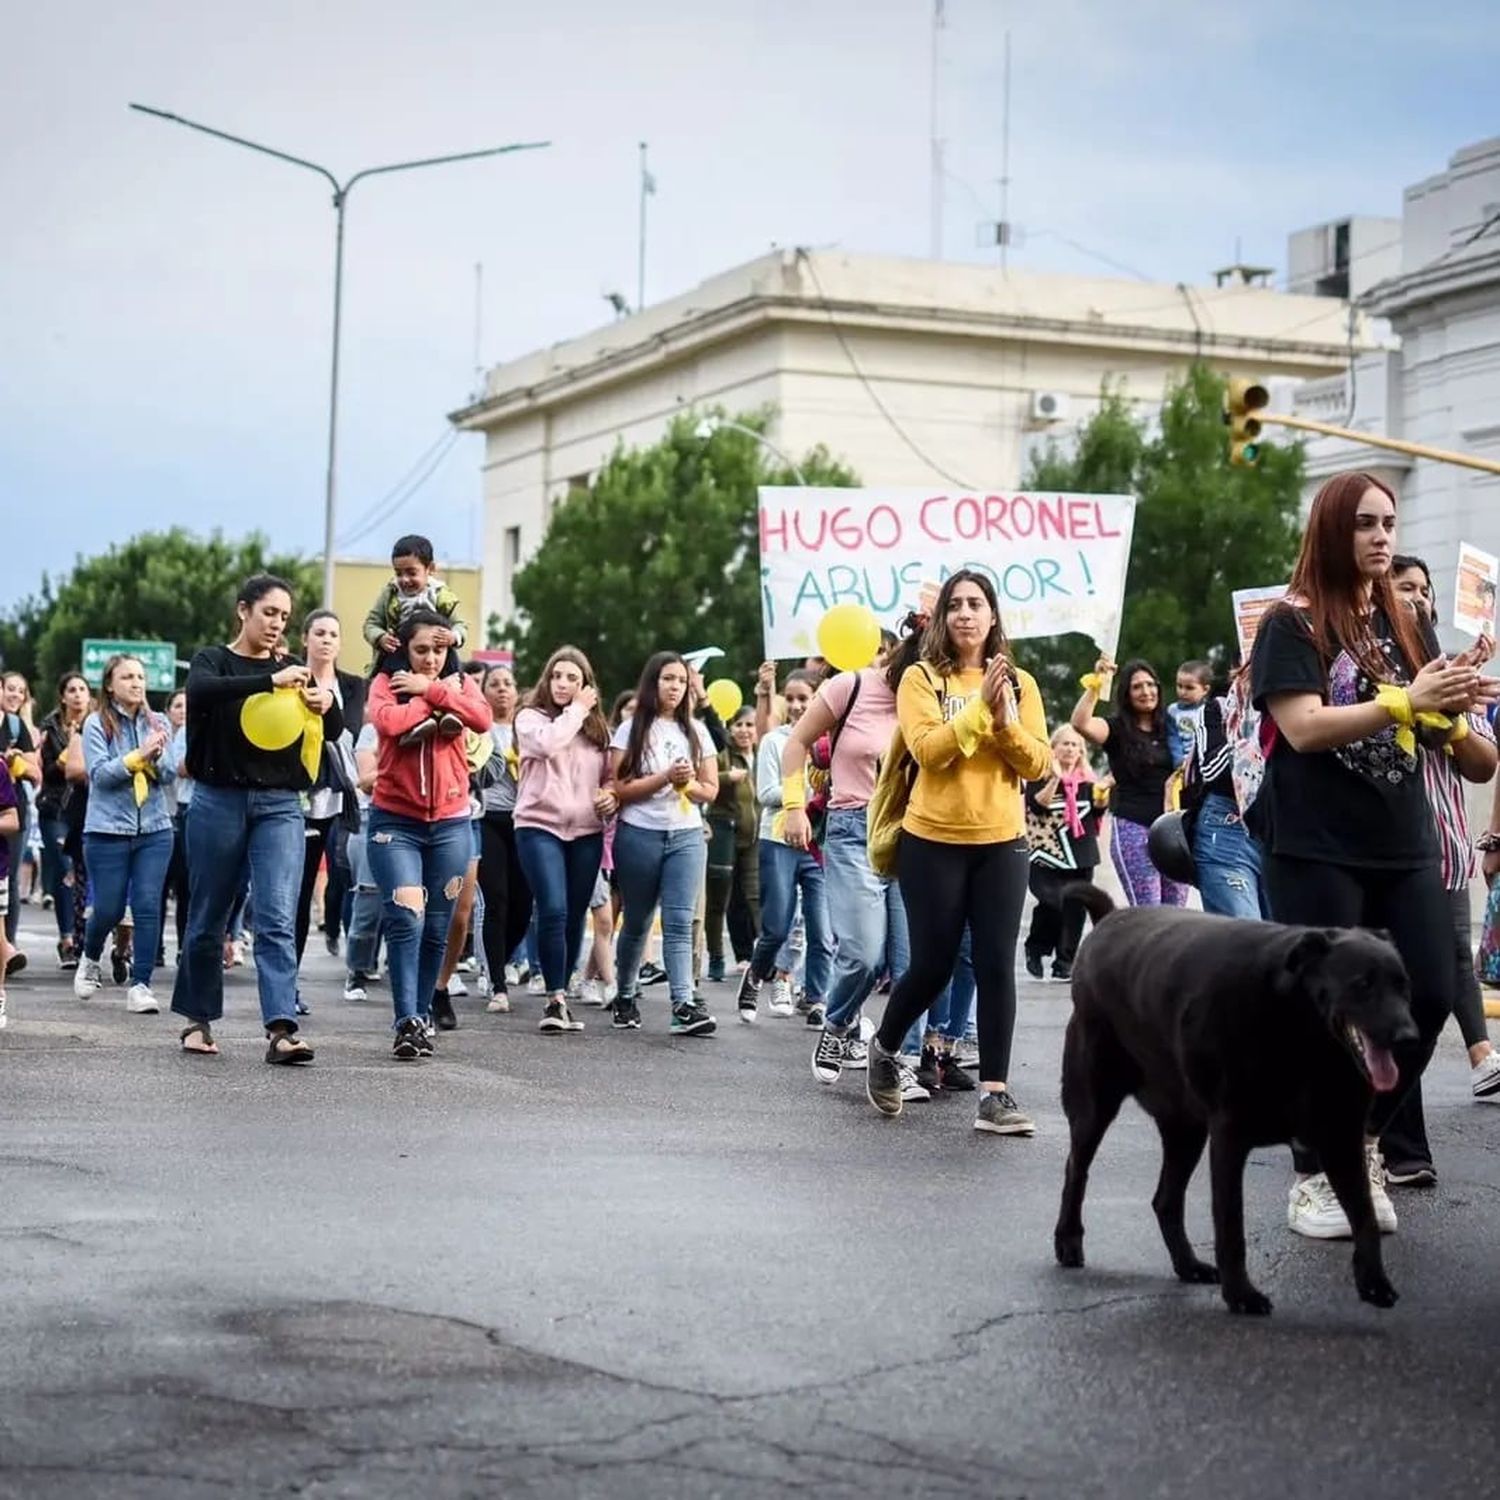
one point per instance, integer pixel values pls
(158, 657)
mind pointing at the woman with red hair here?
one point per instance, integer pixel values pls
(1343, 669)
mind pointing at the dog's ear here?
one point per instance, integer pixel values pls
(1311, 947)
(1384, 934)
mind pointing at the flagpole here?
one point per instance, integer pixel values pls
(640, 264)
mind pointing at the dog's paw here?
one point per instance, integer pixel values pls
(1069, 1250)
(1198, 1273)
(1377, 1291)
(1249, 1302)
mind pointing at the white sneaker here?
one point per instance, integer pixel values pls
(536, 985)
(499, 1004)
(1313, 1210)
(781, 1003)
(457, 989)
(139, 1001)
(2, 1010)
(469, 965)
(591, 992)
(237, 955)
(1486, 1076)
(512, 975)
(354, 990)
(88, 978)
(912, 1092)
(1385, 1210)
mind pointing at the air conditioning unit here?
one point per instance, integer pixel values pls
(1049, 406)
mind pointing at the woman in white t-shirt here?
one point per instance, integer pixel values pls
(665, 773)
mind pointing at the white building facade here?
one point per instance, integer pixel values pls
(1441, 386)
(912, 372)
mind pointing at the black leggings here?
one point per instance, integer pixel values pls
(1404, 1139)
(945, 888)
(1409, 904)
(507, 897)
(313, 846)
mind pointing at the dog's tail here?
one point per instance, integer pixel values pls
(1095, 902)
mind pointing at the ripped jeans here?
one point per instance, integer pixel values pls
(1228, 862)
(431, 859)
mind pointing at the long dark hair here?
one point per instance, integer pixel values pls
(648, 709)
(906, 651)
(1326, 587)
(937, 645)
(63, 684)
(1138, 747)
(594, 730)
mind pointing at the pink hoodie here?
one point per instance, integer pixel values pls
(560, 773)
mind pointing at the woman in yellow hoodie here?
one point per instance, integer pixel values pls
(973, 722)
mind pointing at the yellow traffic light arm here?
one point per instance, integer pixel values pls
(1373, 440)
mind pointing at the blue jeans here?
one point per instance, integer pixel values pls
(951, 1015)
(666, 866)
(56, 870)
(783, 872)
(127, 869)
(1228, 862)
(362, 932)
(406, 854)
(228, 829)
(872, 918)
(561, 874)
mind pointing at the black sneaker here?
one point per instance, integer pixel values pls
(331, 942)
(302, 1007)
(1062, 971)
(748, 998)
(652, 974)
(692, 1020)
(443, 1012)
(828, 1056)
(883, 1079)
(409, 1041)
(1033, 966)
(927, 1071)
(952, 1075)
(716, 971)
(424, 1042)
(419, 734)
(119, 965)
(626, 1014)
(814, 1016)
(557, 1017)
(999, 1114)
(67, 959)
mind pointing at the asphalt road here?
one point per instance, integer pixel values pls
(623, 1265)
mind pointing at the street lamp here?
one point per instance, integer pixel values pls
(710, 425)
(340, 199)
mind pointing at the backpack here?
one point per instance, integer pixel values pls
(1252, 737)
(892, 794)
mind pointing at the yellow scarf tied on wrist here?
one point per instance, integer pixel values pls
(1397, 702)
(1091, 682)
(142, 774)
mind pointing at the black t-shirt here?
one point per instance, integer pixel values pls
(1052, 844)
(1363, 804)
(1140, 773)
(218, 754)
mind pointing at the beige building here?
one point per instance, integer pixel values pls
(913, 372)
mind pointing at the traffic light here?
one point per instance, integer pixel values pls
(1241, 401)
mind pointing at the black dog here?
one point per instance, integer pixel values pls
(1241, 1034)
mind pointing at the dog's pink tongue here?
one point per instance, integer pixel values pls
(1384, 1073)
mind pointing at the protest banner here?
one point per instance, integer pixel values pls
(1249, 606)
(1474, 590)
(1058, 562)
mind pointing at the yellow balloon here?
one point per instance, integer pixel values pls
(725, 698)
(849, 637)
(272, 721)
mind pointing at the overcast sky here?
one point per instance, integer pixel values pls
(165, 298)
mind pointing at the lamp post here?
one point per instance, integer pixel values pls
(710, 425)
(341, 193)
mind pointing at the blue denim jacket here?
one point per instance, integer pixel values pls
(112, 806)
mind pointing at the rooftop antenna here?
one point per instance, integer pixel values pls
(935, 238)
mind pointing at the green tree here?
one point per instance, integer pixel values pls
(159, 586)
(659, 552)
(1202, 529)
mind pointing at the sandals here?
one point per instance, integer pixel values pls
(286, 1047)
(210, 1047)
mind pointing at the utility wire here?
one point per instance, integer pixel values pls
(805, 257)
(402, 496)
(362, 523)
